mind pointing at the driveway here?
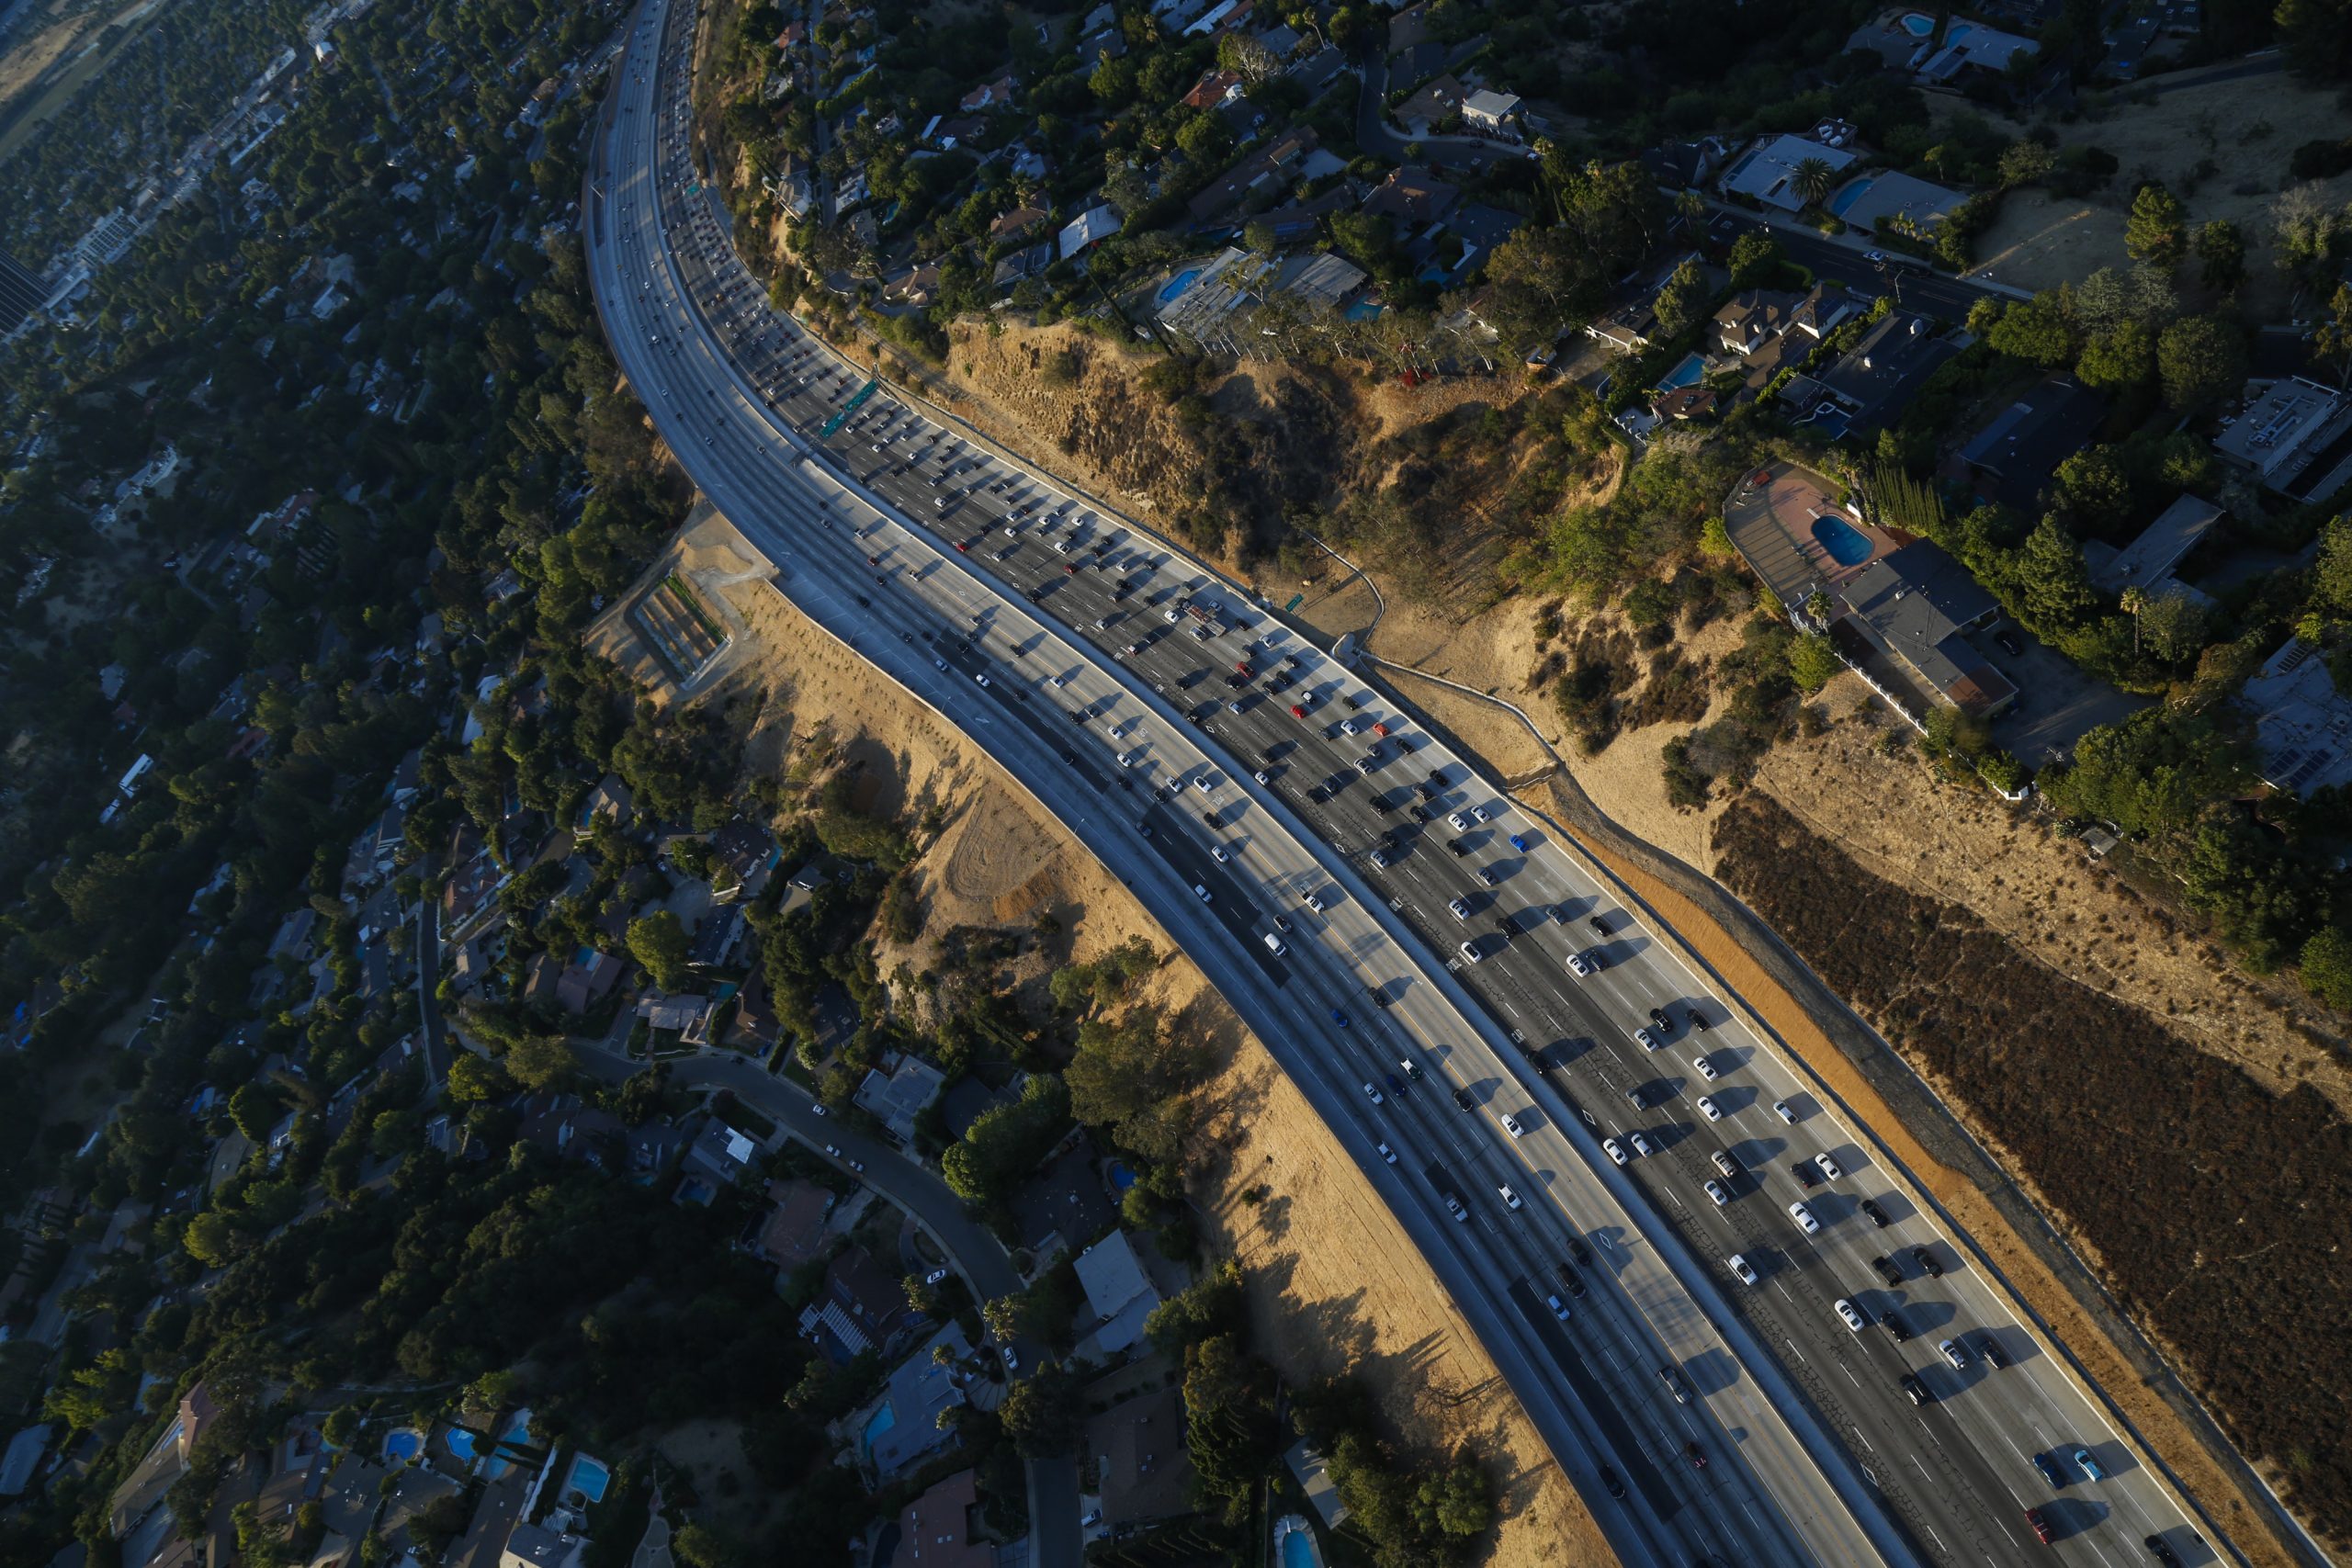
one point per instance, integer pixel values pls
(1374, 134)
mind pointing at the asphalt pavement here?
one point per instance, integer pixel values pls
(943, 564)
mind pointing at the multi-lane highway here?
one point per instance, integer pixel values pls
(1408, 944)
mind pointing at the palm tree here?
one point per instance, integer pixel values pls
(1811, 179)
(2135, 599)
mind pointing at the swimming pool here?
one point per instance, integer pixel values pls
(1845, 199)
(1295, 1544)
(589, 1478)
(403, 1445)
(460, 1441)
(1174, 288)
(1919, 23)
(881, 1421)
(516, 1431)
(1846, 544)
(1687, 372)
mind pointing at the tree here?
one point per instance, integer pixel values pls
(2316, 36)
(2134, 600)
(87, 1396)
(1044, 1412)
(698, 1545)
(2333, 341)
(2174, 625)
(212, 1239)
(2157, 230)
(1457, 1501)
(1259, 236)
(2221, 255)
(2326, 962)
(255, 1110)
(1247, 57)
(2201, 361)
(2332, 573)
(540, 1061)
(2094, 489)
(1006, 1140)
(2024, 162)
(2308, 237)
(1205, 139)
(1680, 302)
(1811, 180)
(2124, 356)
(1754, 256)
(2040, 331)
(1114, 83)
(474, 1079)
(1812, 662)
(2051, 575)
(659, 941)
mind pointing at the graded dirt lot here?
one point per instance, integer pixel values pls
(1334, 1283)
(2245, 129)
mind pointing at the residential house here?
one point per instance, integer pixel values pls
(1143, 1472)
(1766, 173)
(1973, 50)
(1748, 320)
(2011, 460)
(2148, 562)
(1088, 230)
(1214, 90)
(610, 799)
(1118, 1292)
(588, 978)
(1683, 165)
(988, 96)
(2292, 435)
(535, 1546)
(2300, 720)
(794, 1231)
(717, 937)
(861, 1306)
(1684, 404)
(1065, 1204)
(1432, 104)
(1016, 225)
(1410, 197)
(1887, 201)
(1267, 173)
(1914, 606)
(920, 1390)
(756, 1022)
(539, 980)
(916, 288)
(1491, 113)
(1323, 280)
(897, 1097)
(1879, 376)
(720, 1153)
(165, 1460)
(936, 1529)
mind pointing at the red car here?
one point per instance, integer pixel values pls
(1296, 711)
(1380, 730)
(1241, 667)
(2039, 1526)
(963, 546)
(1069, 571)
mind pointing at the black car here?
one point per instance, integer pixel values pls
(1610, 1483)
(1917, 1392)
(1888, 1270)
(1877, 1214)
(1570, 1281)
(1318, 794)
(1458, 847)
(1927, 1260)
(1418, 813)
(1576, 1250)
(1990, 1349)
(2160, 1551)
(1895, 1325)
(1462, 1099)
(1379, 997)
(1600, 926)
(1381, 806)
(2009, 643)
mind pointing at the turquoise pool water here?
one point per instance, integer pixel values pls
(589, 1478)
(1918, 25)
(881, 1421)
(1174, 288)
(1363, 309)
(516, 1430)
(1844, 544)
(1839, 203)
(1297, 1551)
(403, 1445)
(1693, 366)
(461, 1443)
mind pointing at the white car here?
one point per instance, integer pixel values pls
(1057, 682)
(1348, 726)
(1715, 1190)
(1457, 908)
(1710, 1110)
(1203, 784)
(1828, 1166)
(1478, 813)
(1314, 903)
(1470, 954)
(1115, 731)
(1170, 616)
(1852, 1314)
(1062, 546)
(1610, 1148)
(1217, 853)
(1454, 1206)
(1388, 1154)
(983, 679)
(1511, 1125)
(1459, 823)
(1804, 1217)
(1260, 774)
(1780, 1108)
(1374, 1090)
(1578, 966)
(1704, 1068)
(1510, 1197)
(1274, 945)
(1127, 758)
(1741, 1268)
(1641, 1145)
(1646, 1040)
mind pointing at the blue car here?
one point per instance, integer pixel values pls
(2090, 1466)
(1518, 842)
(1338, 1018)
(2048, 1465)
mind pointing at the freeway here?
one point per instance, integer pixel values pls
(1322, 894)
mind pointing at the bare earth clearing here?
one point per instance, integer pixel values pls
(1335, 1285)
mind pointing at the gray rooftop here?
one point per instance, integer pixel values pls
(2150, 559)
(2302, 726)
